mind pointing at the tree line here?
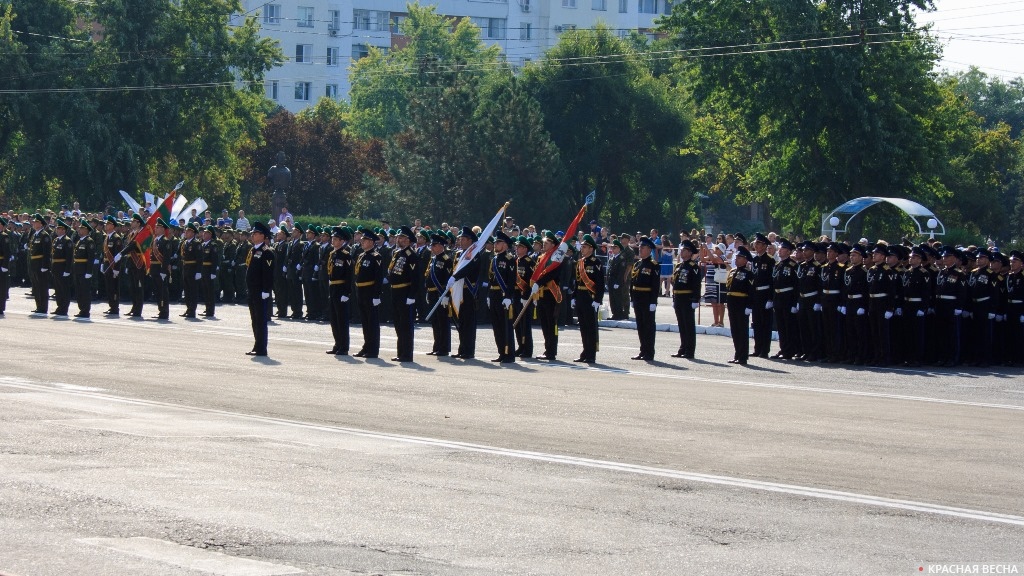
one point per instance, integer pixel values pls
(793, 107)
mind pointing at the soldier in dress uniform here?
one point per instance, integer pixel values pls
(831, 275)
(281, 272)
(686, 280)
(385, 311)
(160, 269)
(982, 290)
(259, 279)
(244, 245)
(1015, 307)
(437, 273)
(326, 247)
(210, 254)
(999, 264)
(855, 308)
(190, 265)
(339, 278)
(501, 277)
(296, 247)
(6, 262)
(99, 289)
(113, 243)
(916, 301)
(227, 265)
(423, 254)
(761, 301)
(403, 276)
(82, 269)
(525, 264)
(589, 297)
(950, 302)
(310, 268)
(646, 282)
(39, 263)
(466, 314)
(809, 288)
(62, 254)
(740, 286)
(135, 266)
(882, 291)
(547, 295)
(784, 301)
(369, 276)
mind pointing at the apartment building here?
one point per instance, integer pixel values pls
(321, 38)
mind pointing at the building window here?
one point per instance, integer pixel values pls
(360, 51)
(623, 6)
(272, 14)
(302, 90)
(396, 24)
(568, 3)
(668, 7)
(272, 90)
(332, 90)
(491, 28)
(333, 56)
(304, 53)
(599, 5)
(334, 19)
(305, 17)
(525, 31)
(648, 6)
(374, 20)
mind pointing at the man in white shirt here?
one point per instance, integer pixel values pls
(242, 224)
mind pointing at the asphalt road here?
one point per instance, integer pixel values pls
(146, 447)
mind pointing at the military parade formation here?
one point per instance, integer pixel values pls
(831, 302)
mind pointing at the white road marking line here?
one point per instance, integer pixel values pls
(191, 558)
(789, 489)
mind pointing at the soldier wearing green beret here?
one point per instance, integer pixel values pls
(210, 254)
(113, 243)
(136, 267)
(39, 263)
(340, 263)
(84, 257)
(368, 274)
(160, 269)
(62, 254)
(525, 264)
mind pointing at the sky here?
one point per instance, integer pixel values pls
(988, 34)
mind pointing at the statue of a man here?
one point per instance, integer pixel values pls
(280, 178)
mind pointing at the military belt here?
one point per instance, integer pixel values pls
(81, 260)
(60, 261)
(831, 292)
(781, 290)
(947, 297)
(365, 284)
(882, 295)
(37, 257)
(207, 263)
(682, 291)
(982, 299)
(809, 294)
(764, 287)
(740, 294)
(854, 296)
(1015, 301)
(431, 289)
(913, 299)
(641, 288)
(189, 262)
(402, 285)
(582, 287)
(336, 282)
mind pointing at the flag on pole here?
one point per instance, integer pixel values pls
(468, 255)
(551, 259)
(144, 239)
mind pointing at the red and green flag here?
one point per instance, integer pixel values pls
(144, 239)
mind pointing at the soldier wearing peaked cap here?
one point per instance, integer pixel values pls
(854, 307)
(761, 301)
(831, 274)
(160, 269)
(983, 293)
(62, 253)
(210, 256)
(259, 279)
(784, 301)
(82, 268)
(466, 313)
(368, 274)
(808, 305)
(589, 297)
(280, 247)
(293, 271)
(230, 255)
(6, 263)
(135, 266)
(309, 275)
(883, 285)
(740, 285)
(113, 243)
(501, 279)
(437, 272)
(190, 269)
(403, 277)
(525, 265)
(339, 266)
(1015, 307)
(917, 299)
(646, 282)
(547, 294)
(39, 263)
(686, 298)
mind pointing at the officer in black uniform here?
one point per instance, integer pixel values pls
(310, 268)
(917, 299)
(160, 269)
(831, 276)
(229, 256)
(547, 295)
(403, 277)
(369, 275)
(686, 280)
(589, 297)
(501, 278)
(882, 286)
(210, 254)
(466, 314)
(259, 280)
(982, 291)
(39, 263)
(83, 267)
(296, 247)
(740, 286)
(244, 245)
(135, 266)
(646, 283)
(784, 301)
(281, 272)
(190, 264)
(809, 287)
(62, 254)
(339, 281)
(525, 264)
(761, 301)
(437, 273)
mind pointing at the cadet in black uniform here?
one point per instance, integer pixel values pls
(339, 281)
(501, 277)
(310, 268)
(281, 272)
(210, 253)
(831, 276)
(294, 275)
(259, 280)
(784, 300)
(160, 269)
(646, 283)
(761, 301)
(589, 297)
(135, 266)
(882, 286)
(244, 245)
(437, 272)
(547, 294)
(686, 298)
(190, 265)
(62, 254)
(368, 275)
(85, 256)
(466, 314)
(39, 263)
(740, 286)
(916, 302)
(982, 291)
(525, 264)
(1015, 307)
(855, 308)
(403, 276)
(227, 265)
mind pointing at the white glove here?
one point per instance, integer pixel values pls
(44, 270)
(103, 269)
(1022, 319)
(284, 269)
(817, 307)
(535, 289)
(747, 311)
(842, 310)
(344, 298)
(117, 258)
(375, 301)
(654, 307)
(316, 268)
(444, 301)
(3, 269)
(484, 284)
(213, 276)
(991, 316)
(386, 282)
(920, 313)
(958, 312)
(888, 315)
(66, 274)
(572, 303)
(410, 301)
(265, 295)
(616, 287)
(488, 301)
(96, 261)
(695, 305)
(899, 311)
(525, 301)
(596, 305)
(794, 309)
(860, 312)
(199, 275)
(507, 302)
(451, 282)
(163, 276)
(769, 305)
(87, 276)
(298, 267)
(116, 273)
